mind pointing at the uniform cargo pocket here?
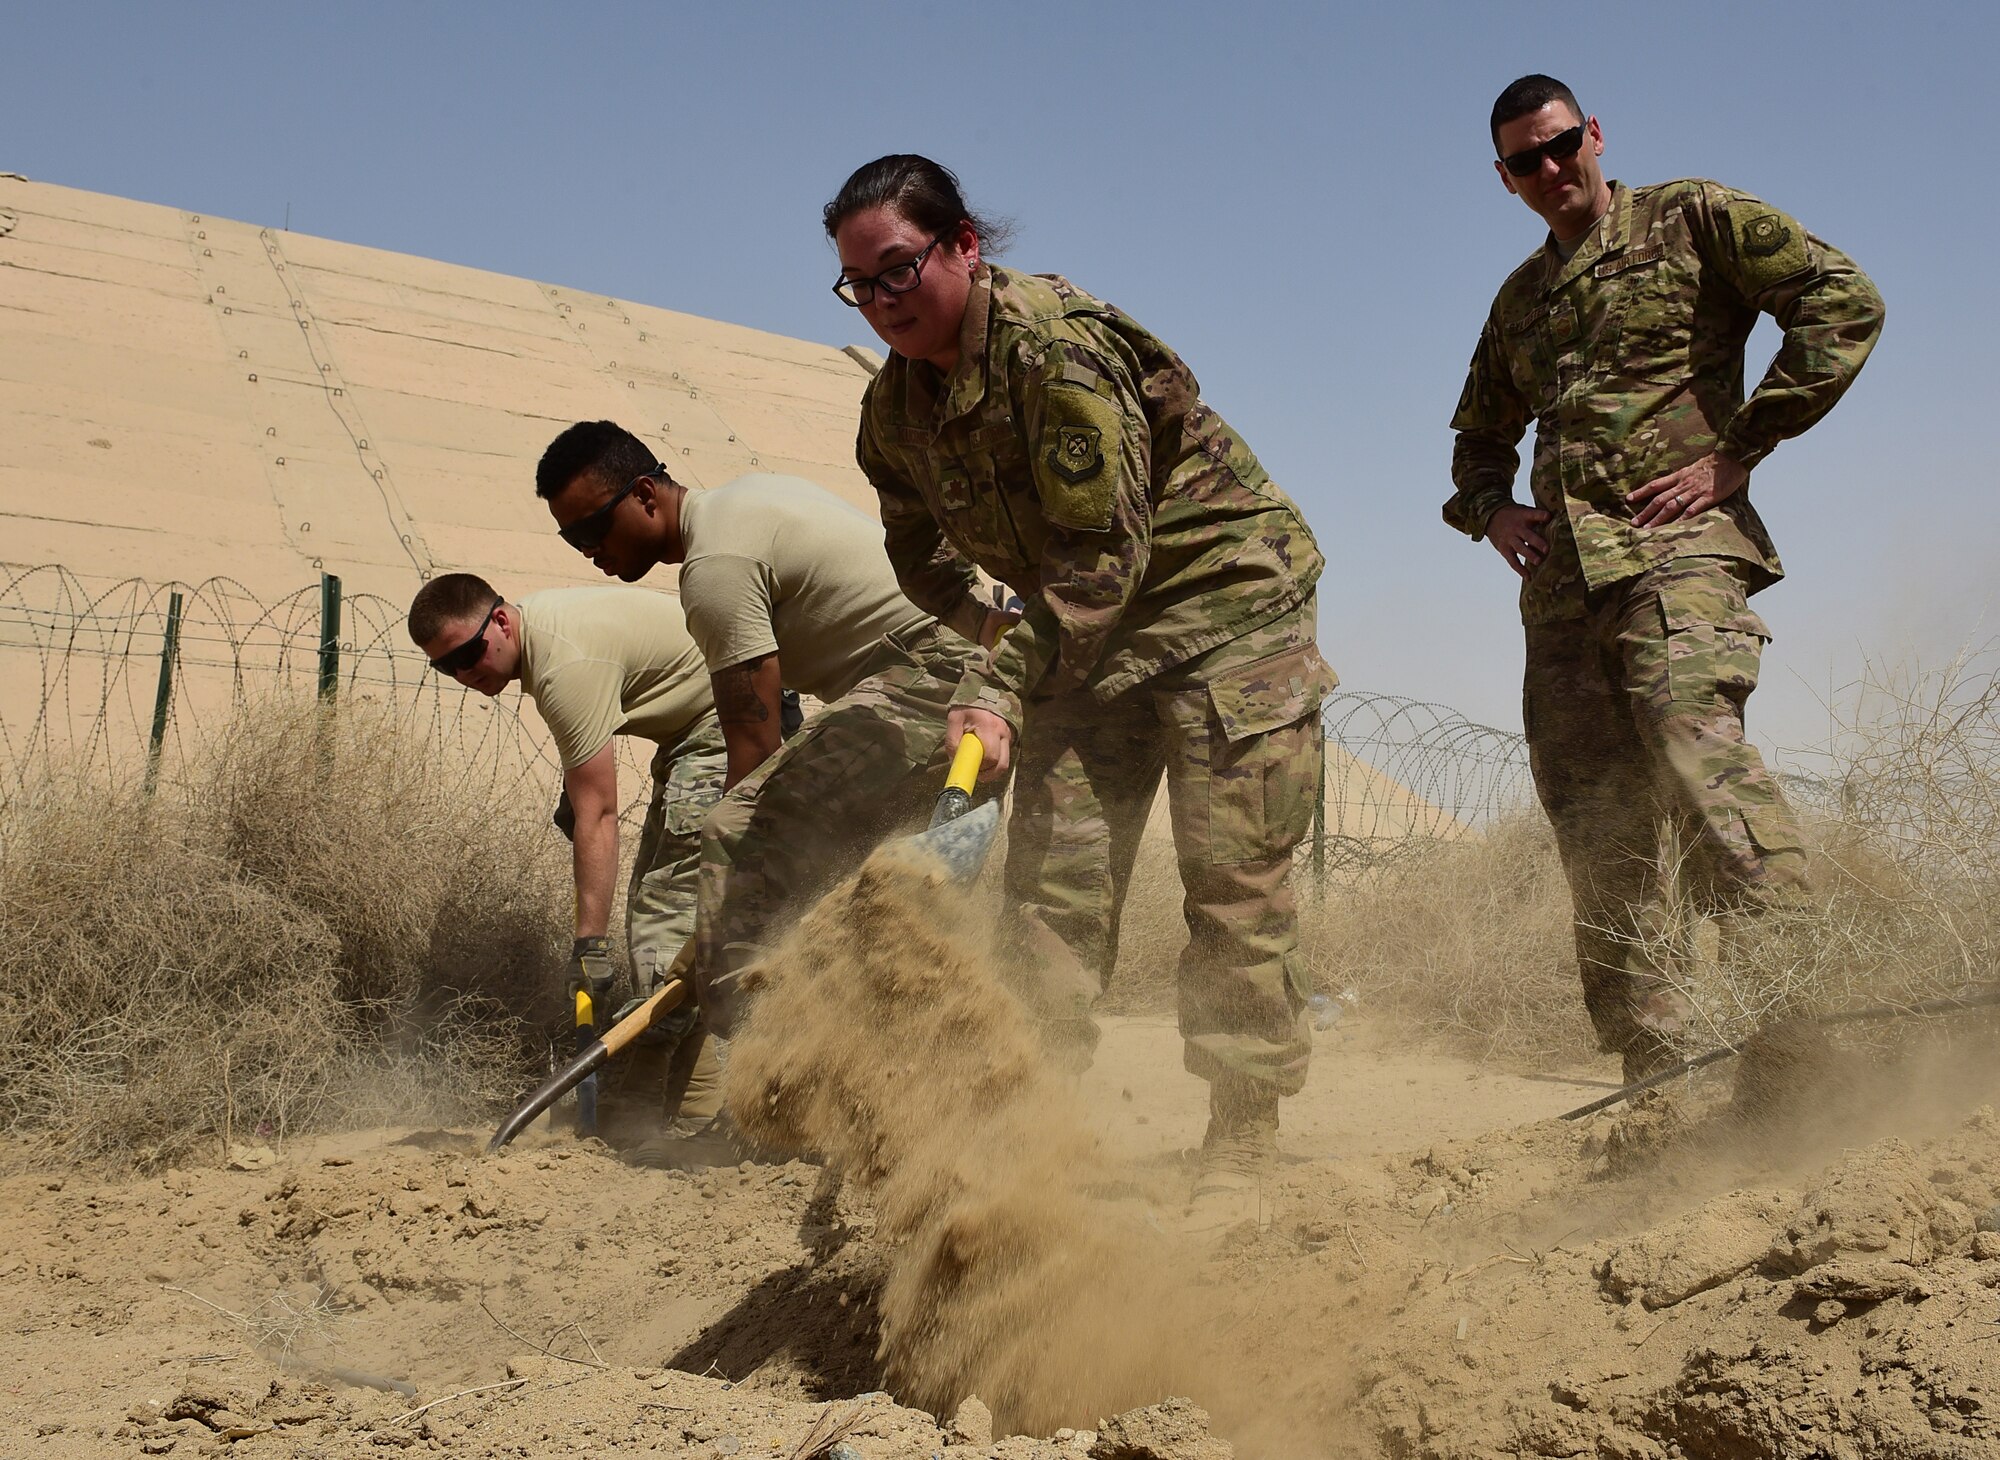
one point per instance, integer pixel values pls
(1773, 828)
(1271, 692)
(1714, 641)
(1259, 796)
(1648, 293)
(1530, 358)
(689, 792)
(1707, 660)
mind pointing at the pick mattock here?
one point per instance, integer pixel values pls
(1873, 1013)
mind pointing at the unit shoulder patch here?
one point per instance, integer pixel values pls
(1772, 248)
(1073, 463)
(1078, 453)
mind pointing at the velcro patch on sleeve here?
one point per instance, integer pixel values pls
(1772, 248)
(1076, 462)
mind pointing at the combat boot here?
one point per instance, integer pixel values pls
(1647, 1053)
(1238, 1155)
(698, 1132)
(1661, 1017)
(687, 1146)
(694, 1081)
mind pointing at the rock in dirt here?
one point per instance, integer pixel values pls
(1860, 1281)
(251, 1157)
(1699, 1250)
(1174, 1430)
(1635, 1138)
(971, 1423)
(233, 1426)
(201, 1400)
(1877, 1200)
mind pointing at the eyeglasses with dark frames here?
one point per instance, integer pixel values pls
(457, 661)
(588, 532)
(1528, 161)
(896, 279)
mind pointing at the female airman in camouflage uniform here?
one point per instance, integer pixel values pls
(1023, 427)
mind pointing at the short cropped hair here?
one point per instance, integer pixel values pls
(601, 448)
(445, 599)
(1530, 94)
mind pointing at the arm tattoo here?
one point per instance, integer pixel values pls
(736, 700)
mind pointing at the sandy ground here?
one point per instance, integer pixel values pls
(1448, 1271)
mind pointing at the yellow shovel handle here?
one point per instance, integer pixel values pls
(965, 763)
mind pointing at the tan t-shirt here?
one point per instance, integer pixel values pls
(600, 662)
(776, 564)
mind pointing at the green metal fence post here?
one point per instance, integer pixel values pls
(163, 700)
(1319, 820)
(329, 635)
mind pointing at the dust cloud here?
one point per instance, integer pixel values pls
(884, 1040)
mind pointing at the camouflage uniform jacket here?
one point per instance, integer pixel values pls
(1628, 357)
(1070, 455)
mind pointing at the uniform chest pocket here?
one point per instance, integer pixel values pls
(1531, 359)
(1647, 296)
(992, 513)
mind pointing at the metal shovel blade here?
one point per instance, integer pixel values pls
(960, 844)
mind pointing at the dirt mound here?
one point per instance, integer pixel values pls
(397, 1290)
(1504, 1294)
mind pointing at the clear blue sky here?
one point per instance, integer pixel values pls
(1298, 198)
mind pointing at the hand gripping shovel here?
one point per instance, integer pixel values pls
(958, 837)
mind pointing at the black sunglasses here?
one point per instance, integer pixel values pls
(457, 661)
(1528, 161)
(588, 532)
(896, 279)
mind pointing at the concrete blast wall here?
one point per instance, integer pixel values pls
(183, 396)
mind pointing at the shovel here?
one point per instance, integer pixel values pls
(958, 838)
(591, 1057)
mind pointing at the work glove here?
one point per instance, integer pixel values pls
(592, 971)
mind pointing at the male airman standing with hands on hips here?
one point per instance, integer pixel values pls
(1621, 339)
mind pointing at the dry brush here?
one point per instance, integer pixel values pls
(318, 925)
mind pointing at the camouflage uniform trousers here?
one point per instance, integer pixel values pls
(1236, 733)
(867, 765)
(1634, 716)
(675, 1068)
